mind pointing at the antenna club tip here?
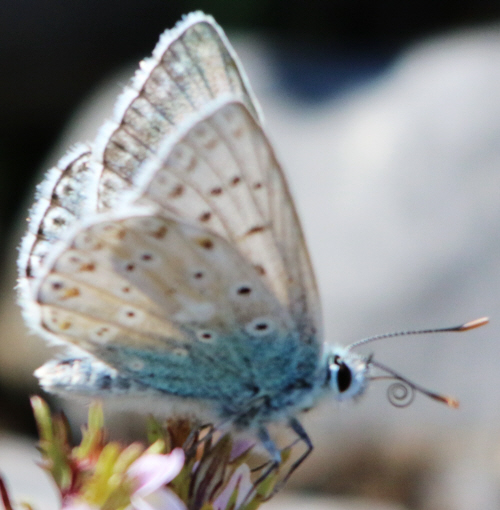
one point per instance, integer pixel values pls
(451, 402)
(477, 323)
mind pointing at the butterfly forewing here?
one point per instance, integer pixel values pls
(221, 174)
(303, 298)
(191, 65)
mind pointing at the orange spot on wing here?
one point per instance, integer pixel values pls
(211, 144)
(160, 233)
(206, 243)
(238, 132)
(72, 292)
(177, 191)
(260, 269)
(256, 230)
(193, 162)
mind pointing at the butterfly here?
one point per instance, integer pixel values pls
(168, 258)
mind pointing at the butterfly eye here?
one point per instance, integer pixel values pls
(344, 375)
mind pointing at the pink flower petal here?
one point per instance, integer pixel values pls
(154, 470)
(241, 477)
(162, 499)
(241, 446)
(74, 504)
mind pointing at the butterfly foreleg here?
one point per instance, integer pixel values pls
(271, 465)
(276, 454)
(296, 426)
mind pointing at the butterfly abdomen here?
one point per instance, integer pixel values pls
(86, 377)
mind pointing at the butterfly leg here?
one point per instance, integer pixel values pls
(296, 426)
(270, 446)
(275, 455)
(275, 460)
(272, 464)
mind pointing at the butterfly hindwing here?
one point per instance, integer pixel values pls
(67, 193)
(168, 304)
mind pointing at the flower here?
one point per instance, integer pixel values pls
(150, 473)
(202, 470)
(75, 504)
(241, 482)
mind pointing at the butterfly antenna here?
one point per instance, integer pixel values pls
(401, 393)
(462, 327)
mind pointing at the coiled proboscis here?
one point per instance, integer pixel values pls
(400, 394)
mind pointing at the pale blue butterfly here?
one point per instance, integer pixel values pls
(170, 257)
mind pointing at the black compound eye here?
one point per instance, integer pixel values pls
(344, 376)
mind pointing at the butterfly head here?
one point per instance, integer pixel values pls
(348, 373)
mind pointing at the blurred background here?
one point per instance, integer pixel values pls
(386, 117)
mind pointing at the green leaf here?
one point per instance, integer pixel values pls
(54, 444)
(93, 435)
(156, 432)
